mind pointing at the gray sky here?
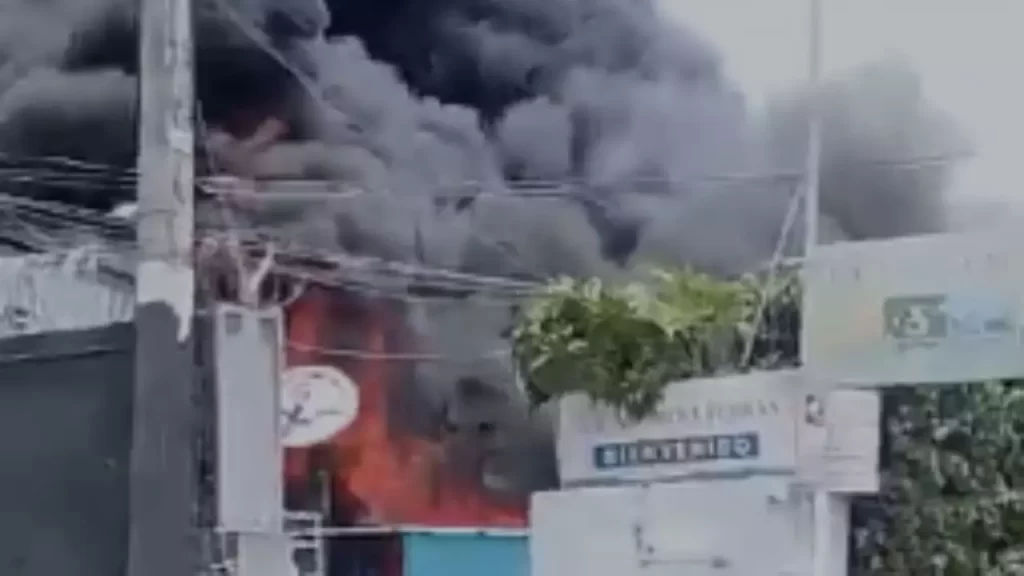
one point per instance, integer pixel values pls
(964, 50)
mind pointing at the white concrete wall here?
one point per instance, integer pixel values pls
(734, 527)
(59, 292)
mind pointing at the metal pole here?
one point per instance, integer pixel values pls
(821, 504)
(812, 167)
(163, 539)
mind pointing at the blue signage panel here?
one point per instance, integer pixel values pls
(689, 449)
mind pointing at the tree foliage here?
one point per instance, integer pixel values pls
(952, 501)
(621, 345)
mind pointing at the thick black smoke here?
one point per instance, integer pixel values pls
(421, 98)
(441, 109)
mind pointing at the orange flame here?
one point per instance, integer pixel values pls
(398, 479)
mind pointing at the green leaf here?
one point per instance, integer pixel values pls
(621, 345)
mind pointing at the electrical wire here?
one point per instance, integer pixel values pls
(360, 273)
(68, 182)
(398, 356)
(340, 189)
(40, 232)
(404, 293)
(341, 276)
(247, 280)
(54, 231)
(531, 189)
(309, 85)
(335, 189)
(57, 215)
(65, 162)
(98, 251)
(355, 272)
(394, 270)
(66, 213)
(257, 37)
(69, 172)
(766, 288)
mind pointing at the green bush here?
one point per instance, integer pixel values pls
(951, 500)
(621, 345)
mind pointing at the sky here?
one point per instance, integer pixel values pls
(964, 51)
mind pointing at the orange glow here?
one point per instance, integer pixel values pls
(399, 479)
(302, 329)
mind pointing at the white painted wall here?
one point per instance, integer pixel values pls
(734, 527)
(57, 292)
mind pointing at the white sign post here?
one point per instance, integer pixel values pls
(838, 439)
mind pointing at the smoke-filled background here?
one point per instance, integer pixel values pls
(517, 138)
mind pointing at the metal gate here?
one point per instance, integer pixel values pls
(65, 433)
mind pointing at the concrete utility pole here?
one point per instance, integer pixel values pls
(163, 538)
(831, 511)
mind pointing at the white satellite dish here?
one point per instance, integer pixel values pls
(317, 402)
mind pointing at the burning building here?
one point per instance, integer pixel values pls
(408, 457)
(512, 140)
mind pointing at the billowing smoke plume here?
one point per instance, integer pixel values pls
(633, 144)
(454, 98)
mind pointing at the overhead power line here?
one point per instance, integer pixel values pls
(82, 174)
(62, 162)
(500, 353)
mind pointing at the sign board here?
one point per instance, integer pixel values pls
(933, 309)
(726, 425)
(838, 440)
(316, 403)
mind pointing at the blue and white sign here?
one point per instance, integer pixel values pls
(676, 451)
(936, 309)
(715, 426)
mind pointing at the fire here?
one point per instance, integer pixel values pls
(394, 478)
(398, 479)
